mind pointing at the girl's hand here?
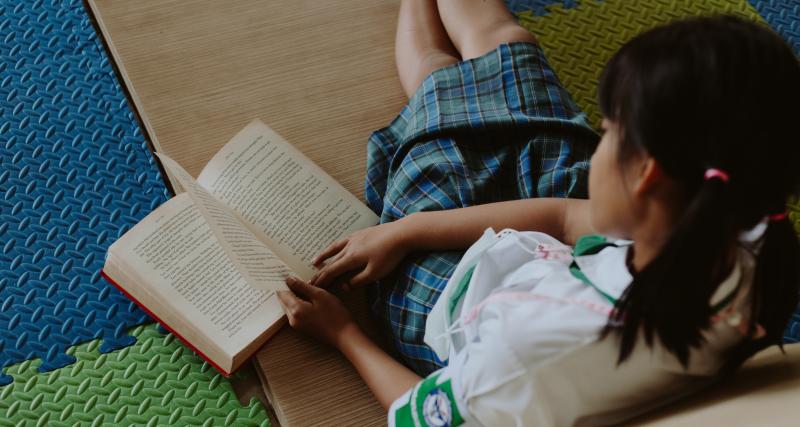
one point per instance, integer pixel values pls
(369, 254)
(316, 312)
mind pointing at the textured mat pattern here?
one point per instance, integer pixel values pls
(74, 175)
(538, 7)
(792, 333)
(783, 16)
(158, 381)
(579, 41)
(794, 214)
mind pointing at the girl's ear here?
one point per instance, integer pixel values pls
(650, 175)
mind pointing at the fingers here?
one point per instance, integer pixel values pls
(296, 309)
(361, 278)
(334, 270)
(327, 252)
(302, 288)
(291, 304)
(335, 258)
(343, 281)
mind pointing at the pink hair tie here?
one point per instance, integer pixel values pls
(777, 217)
(712, 173)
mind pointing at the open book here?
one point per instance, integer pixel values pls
(207, 263)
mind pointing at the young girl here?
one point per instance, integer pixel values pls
(698, 268)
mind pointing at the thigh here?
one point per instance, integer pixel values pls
(421, 43)
(471, 136)
(478, 26)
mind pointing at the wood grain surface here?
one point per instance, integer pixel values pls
(765, 392)
(321, 74)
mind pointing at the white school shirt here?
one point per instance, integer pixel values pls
(522, 308)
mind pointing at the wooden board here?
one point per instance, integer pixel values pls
(766, 391)
(314, 385)
(322, 74)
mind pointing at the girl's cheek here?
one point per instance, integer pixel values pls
(602, 190)
(596, 193)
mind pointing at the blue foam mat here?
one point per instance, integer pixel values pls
(75, 174)
(792, 334)
(783, 16)
(538, 7)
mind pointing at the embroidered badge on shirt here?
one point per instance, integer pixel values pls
(436, 409)
(430, 403)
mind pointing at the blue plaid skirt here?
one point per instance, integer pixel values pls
(497, 127)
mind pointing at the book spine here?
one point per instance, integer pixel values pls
(167, 327)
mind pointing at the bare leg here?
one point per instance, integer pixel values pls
(478, 26)
(421, 43)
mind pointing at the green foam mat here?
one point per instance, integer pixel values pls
(794, 213)
(157, 381)
(578, 41)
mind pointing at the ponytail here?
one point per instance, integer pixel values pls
(775, 289)
(720, 91)
(670, 297)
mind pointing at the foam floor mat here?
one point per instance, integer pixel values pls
(157, 381)
(75, 174)
(538, 7)
(579, 40)
(783, 16)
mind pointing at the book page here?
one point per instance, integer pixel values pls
(260, 267)
(293, 205)
(174, 254)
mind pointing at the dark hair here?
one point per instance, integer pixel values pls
(710, 92)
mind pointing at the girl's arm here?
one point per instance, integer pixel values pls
(386, 377)
(317, 312)
(371, 253)
(564, 219)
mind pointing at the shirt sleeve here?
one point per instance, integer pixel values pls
(491, 380)
(431, 402)
(483, 385)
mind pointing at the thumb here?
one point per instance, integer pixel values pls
(302, 288)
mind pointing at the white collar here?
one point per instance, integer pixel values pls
(607, 269)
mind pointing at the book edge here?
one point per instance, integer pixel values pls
(167, 327)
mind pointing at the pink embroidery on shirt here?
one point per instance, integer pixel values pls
(552, 252)
(472, 314)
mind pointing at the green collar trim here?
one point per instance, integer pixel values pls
(459, 291)
(590, 244)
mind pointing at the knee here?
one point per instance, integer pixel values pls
(434, 60)
(422, 67)
(512, 32)
(482, 42)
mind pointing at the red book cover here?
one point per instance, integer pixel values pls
(167, 327)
